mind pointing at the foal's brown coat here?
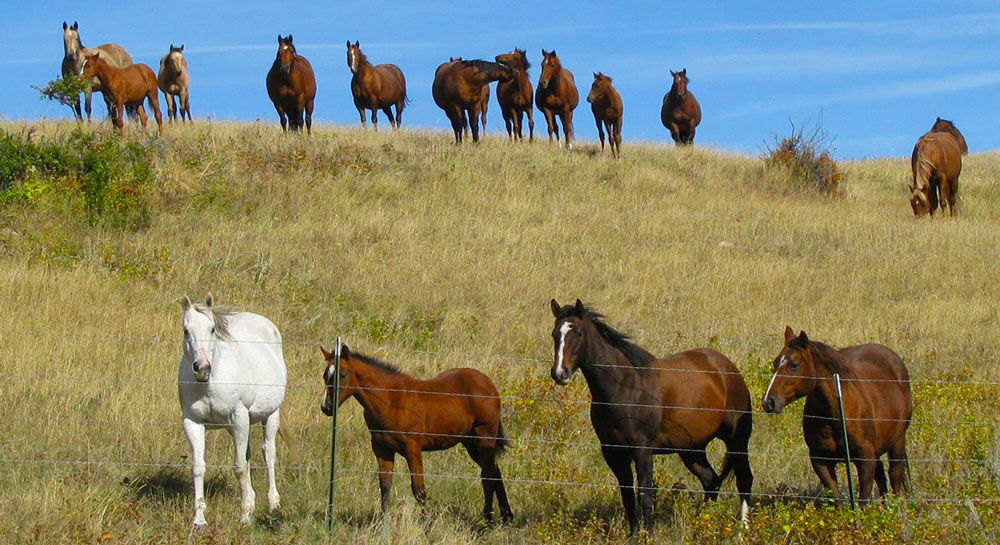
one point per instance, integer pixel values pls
(376, 87)
(936, 164)
(291, 86)
(557, 96)
(516, 95)
(126, 86)
(407, 416)
(877, 406)
(607, 106)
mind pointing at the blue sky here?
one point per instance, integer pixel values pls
(876, 73)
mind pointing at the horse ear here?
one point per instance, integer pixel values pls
(357, 43)
(185, 302)
(789, 334)
(672, 73)
(65, 26)
(75, 25)
(279, 39)
(289, 38)
(544, 52)
(684, 72)
(802, 338)
(597, 75)
(348, 44)
(326, 355)
(209, 301)
(555, 307)
(579, 306)
(181, 48)
(553, 52)
(345, 352)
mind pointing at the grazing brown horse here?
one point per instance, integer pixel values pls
(681, 112)
(516, 96)
(74, 55)
(484, 102)
(376, 87)
(607, 106)
(125, 86)
(458, 90)
(291, 86)
(877, 407)
(936, 163)
(557, 95)
(173, 80)
(408, 416)
(642, 405)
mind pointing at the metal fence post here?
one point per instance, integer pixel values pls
(333, 437)
(847, 446)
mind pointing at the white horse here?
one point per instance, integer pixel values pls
(232, 375)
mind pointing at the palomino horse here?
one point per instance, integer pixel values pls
(408, 416)
(74, 55)
(936, 163)
(681, 112)
(877, 408)
(516, 95)
(376, 87)
(458, 90)
(607, 106)
(642, 405)
(130, 85)
(291, 86)
(173, 80)
(232, 375)
(557, 96)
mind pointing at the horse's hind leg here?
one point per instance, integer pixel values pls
(270, 450)
(897, 468)
(154, 103)
(698, 464)
(399, 112)
(737, 451)
(375, 119)
(880, 482)
(386, 461)
(171, 107)
(388, 115)
(415, 462)
(309, 117)
(531, 125)
(186, 105)
(567, 121)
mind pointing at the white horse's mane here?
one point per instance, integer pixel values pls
(220, 316)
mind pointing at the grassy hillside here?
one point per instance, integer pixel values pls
(433, 256)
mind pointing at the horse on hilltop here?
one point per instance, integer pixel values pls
(376, 87)
(515, 96)
(936, 163)
(291, 86)
(642, 405)
(408, 416)
(680, 112)
(557, 96)
(125, 86)
(607, 106)
(174, 80)
(458, 90)
(484, 103)
(877, 408)
(74, 56)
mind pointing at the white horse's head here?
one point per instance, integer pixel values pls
(200, 335)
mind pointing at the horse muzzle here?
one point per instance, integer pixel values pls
(544, 84)
(202, 371)
(772, 405)
(561, 376)
(326, 408)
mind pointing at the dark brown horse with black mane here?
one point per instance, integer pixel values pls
(376, 87)
(407, 416)
(516, 95)
(128, 86)
(643, 405)
(458, 90)
(681, 112)
(607, 106)
(557, 96)
(936, 164)
(877, 408)
(291, 86)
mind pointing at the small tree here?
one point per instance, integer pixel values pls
(65, 90)
(807, 158)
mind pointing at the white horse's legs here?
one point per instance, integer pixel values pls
(240, 430)
(270, 452)
(195, 433)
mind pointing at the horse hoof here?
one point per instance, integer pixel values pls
(199, 524)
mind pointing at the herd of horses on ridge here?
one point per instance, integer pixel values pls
(462, 89)
(232, 375)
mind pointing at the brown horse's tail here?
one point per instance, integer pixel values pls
(502, 441)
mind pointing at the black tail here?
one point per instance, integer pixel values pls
(502, 441)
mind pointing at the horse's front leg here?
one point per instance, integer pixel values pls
(567, 122)
(620, 464)
(239, 428)
(271, 425)
(195, 433)
(88, 95)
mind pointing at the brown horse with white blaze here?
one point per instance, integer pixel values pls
(291, 86)
(936, 164)
(607, 106)
(557, 96)
(407, 416)
(680, 112)
(877, 408)
(125, 86)
(376, 87)
(173, 79)
(516, 96)
(458, 90)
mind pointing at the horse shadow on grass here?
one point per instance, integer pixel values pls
(171, 483)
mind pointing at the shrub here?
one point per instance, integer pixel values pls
(806, 158)
(64, 90)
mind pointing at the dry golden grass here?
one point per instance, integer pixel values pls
(433, 256)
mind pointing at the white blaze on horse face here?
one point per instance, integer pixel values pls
(563, 330)
(354, 61)
(781, 363)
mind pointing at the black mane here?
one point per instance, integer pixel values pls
(637, 356)
(485, 66)
(387, 367)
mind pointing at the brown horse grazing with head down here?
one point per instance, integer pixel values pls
(681, 112)
(607, 106)
(125, 86)
(376, 87)
(75, 54)
(936, 163)
(173, 80)
(642, 405)
(291, 85)
(408, 416)
(877, 407)
(515, 96)
(557, 95)
(458, 90)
